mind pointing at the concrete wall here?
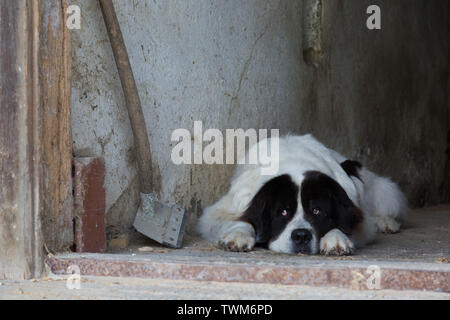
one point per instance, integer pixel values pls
(378, 96)
(385, 94)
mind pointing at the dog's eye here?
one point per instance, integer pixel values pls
(284, 213)
(316, 211)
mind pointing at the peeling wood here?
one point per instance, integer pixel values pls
(55, 75)
(35, 136)
(20, 237)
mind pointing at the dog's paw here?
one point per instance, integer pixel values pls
(237, 241)
(336, 243)
(387, 224)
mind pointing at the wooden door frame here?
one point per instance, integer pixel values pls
(35, 187)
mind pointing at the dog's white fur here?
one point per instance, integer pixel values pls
(381, 201)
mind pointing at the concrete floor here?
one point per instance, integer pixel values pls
(417, 258)
(104, 288)
(424, 238)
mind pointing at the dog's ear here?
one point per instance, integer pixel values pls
(346, 214)
(276, 194)
(258, 215)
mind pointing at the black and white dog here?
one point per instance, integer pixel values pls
(318, 202)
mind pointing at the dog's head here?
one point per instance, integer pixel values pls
(292, 218)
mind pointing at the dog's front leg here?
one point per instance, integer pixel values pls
(336, 243)
(237, 236)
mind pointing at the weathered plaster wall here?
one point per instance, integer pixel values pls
(384, 95)
(379, 96)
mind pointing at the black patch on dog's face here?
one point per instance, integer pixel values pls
(272, 208)
(351, 167)
(326, 205)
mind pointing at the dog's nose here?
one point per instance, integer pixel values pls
(301, 236)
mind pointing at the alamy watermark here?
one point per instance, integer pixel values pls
(371, 278)
(73, 282)
(73, 21)
(231, 149)
(374, 20)
(374, 280)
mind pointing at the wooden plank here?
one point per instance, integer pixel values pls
(55, 82)
(35, 189)
(19, 228)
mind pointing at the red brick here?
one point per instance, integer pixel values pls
(89, 201)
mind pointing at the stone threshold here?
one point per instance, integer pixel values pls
(319, 272)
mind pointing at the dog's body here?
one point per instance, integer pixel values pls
(318, 202)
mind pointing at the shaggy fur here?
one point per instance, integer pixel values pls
(319, 202)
